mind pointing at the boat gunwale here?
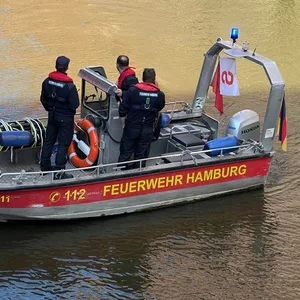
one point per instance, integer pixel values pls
(138, 172)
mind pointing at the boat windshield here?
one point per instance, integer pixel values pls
(95, 99)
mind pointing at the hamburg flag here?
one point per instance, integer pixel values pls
(215, 84)
(282, 128)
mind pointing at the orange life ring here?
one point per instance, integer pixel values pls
(94, 145)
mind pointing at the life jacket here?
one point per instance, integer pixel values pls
(126, 72)
(58, 80)
(148, 92)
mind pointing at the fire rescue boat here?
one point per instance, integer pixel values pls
(188, 161)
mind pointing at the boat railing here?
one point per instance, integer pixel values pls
(185, 106)
(100, 171)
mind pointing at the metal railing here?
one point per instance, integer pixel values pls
(100, 171)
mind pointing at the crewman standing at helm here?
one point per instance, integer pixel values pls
(60, 99)
(138, 112)
(127, 76)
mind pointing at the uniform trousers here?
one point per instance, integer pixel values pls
(62, 131)
(137, 140)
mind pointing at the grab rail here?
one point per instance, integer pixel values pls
(99, 171)
(184, 107)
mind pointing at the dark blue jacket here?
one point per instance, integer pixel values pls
(127, 79)
(128, 82)
(59, 96)
(141, 104)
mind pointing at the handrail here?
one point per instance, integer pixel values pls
(185, 106)
(100, 167)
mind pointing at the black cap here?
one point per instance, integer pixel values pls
(62, 62)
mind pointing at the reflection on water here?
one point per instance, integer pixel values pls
(238, 247)
(144, 255)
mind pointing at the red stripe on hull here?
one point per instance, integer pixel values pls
(135, 186)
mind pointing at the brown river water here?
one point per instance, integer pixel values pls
(244, 246)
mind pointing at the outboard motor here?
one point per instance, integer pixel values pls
(244, 125)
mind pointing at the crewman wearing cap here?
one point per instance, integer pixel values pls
(60, 99)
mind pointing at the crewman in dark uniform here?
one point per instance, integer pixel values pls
(138, 112)
(127, 76)
(60, 99)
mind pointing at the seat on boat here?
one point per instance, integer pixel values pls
(185, 141)
(188, 140)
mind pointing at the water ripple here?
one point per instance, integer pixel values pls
(236, 247)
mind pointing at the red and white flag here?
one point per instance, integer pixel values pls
(215, 84)
(229, 85)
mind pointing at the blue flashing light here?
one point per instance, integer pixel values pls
(234, 34)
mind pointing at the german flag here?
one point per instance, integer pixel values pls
(282, 128)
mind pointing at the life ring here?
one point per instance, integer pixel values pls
(91, 151)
